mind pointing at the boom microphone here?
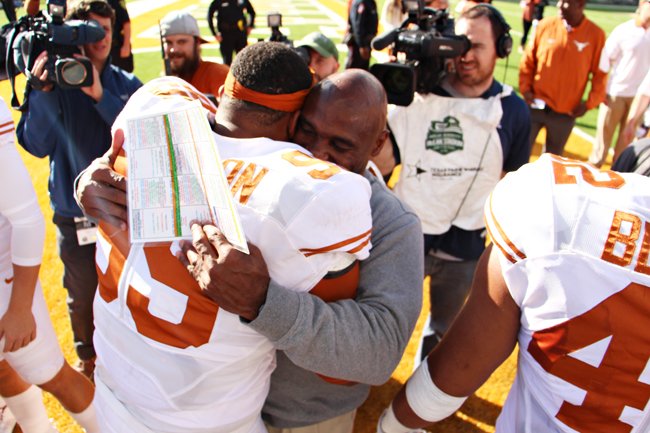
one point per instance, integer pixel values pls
(384, 40)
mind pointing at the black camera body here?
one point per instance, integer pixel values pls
(426, 40)
(61, 40)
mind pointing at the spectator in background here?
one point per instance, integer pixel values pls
(455, 144)
(72, 128)
(626, 58)
(29, 352)
(567, 281)
(121, 55)
(532, 13)
(233, 27)
(182, 44)
(362, 28)
(393, 15)
(321, 54)
(638, 108)
(555, 69)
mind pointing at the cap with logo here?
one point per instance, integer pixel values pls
(319, 43)
(180, 23)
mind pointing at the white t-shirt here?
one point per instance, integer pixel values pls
(574, 254)
(626, 54)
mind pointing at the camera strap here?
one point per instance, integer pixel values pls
(12, 69)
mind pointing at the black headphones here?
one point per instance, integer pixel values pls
(503, 40)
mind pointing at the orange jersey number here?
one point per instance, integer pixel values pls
(594, 177)
(613, 384)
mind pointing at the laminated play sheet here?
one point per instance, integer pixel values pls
(176, 176)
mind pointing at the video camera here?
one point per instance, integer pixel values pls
(427, 40)
(274, 21)
(61, 40)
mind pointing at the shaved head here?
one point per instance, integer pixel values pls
(343, 119)
(359, 94)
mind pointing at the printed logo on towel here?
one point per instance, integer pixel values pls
(445, 136)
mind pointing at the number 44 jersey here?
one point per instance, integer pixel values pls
(574, 245)
(169, 359)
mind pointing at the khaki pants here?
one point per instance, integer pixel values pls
(341, 424)
(609, 118)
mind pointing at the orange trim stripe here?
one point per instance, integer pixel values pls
(11, 122)
(7, 131)
(499, 246)
(360, 246)
(311, 251)
(508, 242)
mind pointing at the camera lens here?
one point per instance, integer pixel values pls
(73, 73)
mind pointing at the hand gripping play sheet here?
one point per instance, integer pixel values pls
(176, 176)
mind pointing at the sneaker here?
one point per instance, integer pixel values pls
(87, 368)
(7, 420)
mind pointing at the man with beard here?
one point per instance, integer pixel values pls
(455, 143)
(182, 44)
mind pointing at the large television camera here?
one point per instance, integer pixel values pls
(425, 41)
(61, 40)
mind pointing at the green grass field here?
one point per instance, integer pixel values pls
(299, 17)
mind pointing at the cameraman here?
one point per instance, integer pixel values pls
(72, 128)
(455, 144)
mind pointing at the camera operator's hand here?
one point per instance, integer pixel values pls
(96, 91)
(40, 73)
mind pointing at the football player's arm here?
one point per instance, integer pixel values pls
(360, 339)
(19, 205)
(479, 340)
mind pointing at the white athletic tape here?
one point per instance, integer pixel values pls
(427, 400)
(388, 423)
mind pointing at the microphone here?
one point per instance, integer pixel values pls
(384, 40)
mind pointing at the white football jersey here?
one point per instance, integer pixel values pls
(581, 278)
(170, 355)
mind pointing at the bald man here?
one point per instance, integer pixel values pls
(332, 349)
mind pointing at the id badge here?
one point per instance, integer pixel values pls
(86, 231)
